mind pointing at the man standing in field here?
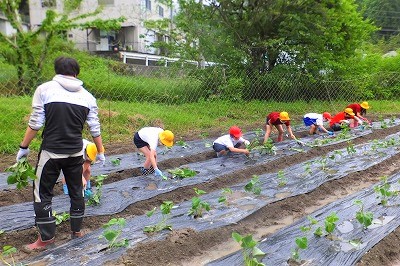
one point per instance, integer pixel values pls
(62, 106)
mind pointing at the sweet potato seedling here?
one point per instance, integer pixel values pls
(95, 199)
(60, 218)
(22, 171)
(7, 252)
(116, 161)
(364, 218)
(282, 178)
(165, 209)
(182, 172)
(223, 197)
(198, 205)
(384, 192)
(254, 185)
(182, 143)
(350, 148)
(112, 232)
(251, 253)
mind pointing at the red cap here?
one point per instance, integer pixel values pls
(326, 115)
(235, 131)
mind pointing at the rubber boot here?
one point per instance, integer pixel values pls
(39, 244)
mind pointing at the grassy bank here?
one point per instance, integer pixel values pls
(188, 121)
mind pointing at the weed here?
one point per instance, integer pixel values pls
(182, 172)
(223, 197)
(198, 206)
(251, 253)
(165, 208)
(364, 218)
(60, 218)
(8, 251)
(254, 185)
(112, 231)
(22, 171)
(95, 199)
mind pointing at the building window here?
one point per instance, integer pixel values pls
(49, 3)
(148, 4)
(105, 2)
(161, 11)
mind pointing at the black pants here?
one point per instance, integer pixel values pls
(47, 172)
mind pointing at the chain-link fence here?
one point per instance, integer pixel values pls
(135, 96)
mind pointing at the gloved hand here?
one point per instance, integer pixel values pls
(157, 172)
(88, 193)
(246, 142)
(330, 133)
(22, 153)
(101, 158)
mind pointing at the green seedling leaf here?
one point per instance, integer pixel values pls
(182, 172)
(116, 161)
(22, 172)
(150, 213)
(301, 242)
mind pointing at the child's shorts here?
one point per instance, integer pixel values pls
(139, 143)
(308, 121)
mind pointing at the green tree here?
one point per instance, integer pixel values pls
(261, 35)
(27, 50)
(384, 13)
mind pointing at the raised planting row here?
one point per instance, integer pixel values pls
(116, 196)
(338, 234)
(234, 203)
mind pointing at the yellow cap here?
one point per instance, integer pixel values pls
(91, 151)
(167, 138)
(349, 111)
(284, 116)
(364, 105)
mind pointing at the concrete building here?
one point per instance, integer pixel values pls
(133, 36)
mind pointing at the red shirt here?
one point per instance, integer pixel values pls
(338, 117)
(356, 107)
(274, 119)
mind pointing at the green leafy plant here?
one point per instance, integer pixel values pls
(384, 192)
(251, 253)
(330, 223)
(22, 171)
(112, 232)
(198, 206)
(350, 148)
(254, 185)
(95, 199)
(282, 178)
(165, 209)
(223, 197)
(182, 172)
(182, 143)
(116, 161)
(307, 168)
(60, 218)
(8, 251)
(323, 162)
(301, 243)
(364, 218)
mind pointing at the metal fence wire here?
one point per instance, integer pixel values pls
(180, 84)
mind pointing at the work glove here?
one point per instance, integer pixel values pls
(101, 158)
(23, 152)
(330, 133)
(157, 172)
(88, 193)
(246, 142)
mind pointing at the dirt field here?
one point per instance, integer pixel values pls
(188, 247)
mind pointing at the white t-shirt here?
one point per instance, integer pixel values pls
(229, 142)
(317, 118)
(150, 135)
(85, 143)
